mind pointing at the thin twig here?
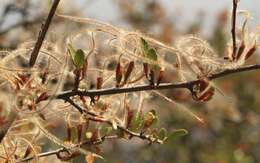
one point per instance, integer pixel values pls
(233, 30)
(54, 152)
(97, 118)
(43, 33)
(111, 91)
(129, 132)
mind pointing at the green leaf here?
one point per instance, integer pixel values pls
(176, 134)
(79, 58)
(151, 54)
(162, 135)
(145, 45)
(136, 123)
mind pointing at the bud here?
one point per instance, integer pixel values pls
(160, 77)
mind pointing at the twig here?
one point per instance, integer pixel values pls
(55, 152)
(111, 91)
(43, 33)
(129, 132)
(95, 117)
(233, 30)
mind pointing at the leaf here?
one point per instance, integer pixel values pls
(176, 134)
(79, 58)
(150, 119)
(162, 135)
(119, 74)
(137, 122)
(251, 51)
(129, 71)
(145, 46)
(151, 54)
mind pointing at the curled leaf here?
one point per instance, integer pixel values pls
(119, 74)
(150, 119)
(251, 51)
(42, 97)
(129, 71)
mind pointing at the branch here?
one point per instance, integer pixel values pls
(188, 85)
(95, 117)
(233, 30)
(60, 150)
(43, 33)
(45, 154)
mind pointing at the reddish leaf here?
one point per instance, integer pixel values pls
(240, 50)
(42, 97)
(129, 70)
(119, 74)
(250, 52)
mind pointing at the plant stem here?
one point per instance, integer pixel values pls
(112, 91)
(43, 33)
(233, 29)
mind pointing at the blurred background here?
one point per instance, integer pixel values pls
(231, 129)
